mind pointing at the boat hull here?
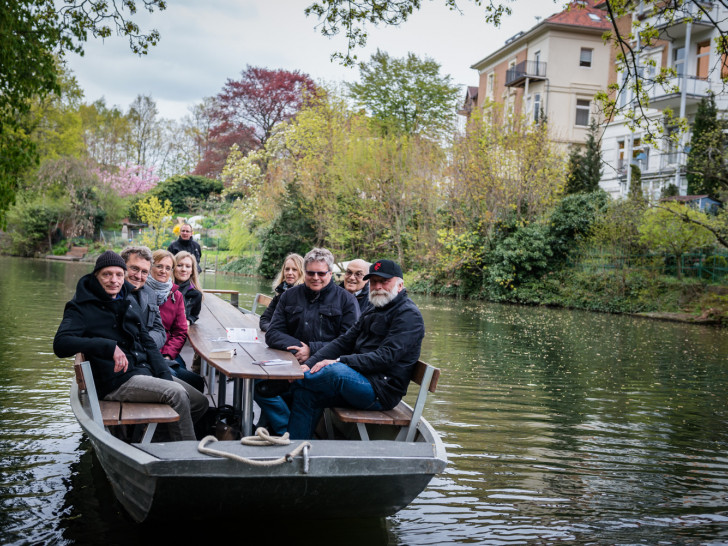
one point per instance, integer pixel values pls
(340, 479)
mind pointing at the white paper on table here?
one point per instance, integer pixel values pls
(242, 335)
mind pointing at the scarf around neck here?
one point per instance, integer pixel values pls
(161, 289)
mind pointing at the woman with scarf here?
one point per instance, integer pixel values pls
(172, 309)
(185, 275)
(290, 275)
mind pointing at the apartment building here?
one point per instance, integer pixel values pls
(553, 69)
(686, 44)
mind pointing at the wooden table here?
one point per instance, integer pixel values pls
(217, 315)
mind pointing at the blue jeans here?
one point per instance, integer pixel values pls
(274, 413)
(334, 385)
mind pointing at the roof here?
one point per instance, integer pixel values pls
(580, 14)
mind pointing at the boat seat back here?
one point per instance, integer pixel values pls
(261, 299)
(402, 415)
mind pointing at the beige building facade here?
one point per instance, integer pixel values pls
(554, 70)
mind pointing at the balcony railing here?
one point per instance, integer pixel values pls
(695, 89)
(525, 69)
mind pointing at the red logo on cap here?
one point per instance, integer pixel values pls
(377, 266)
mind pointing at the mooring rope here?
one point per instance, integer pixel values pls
(261, 438)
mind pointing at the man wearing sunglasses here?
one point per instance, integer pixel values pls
(355, 284)
(307, 317)
(369, 367)
(138, 261)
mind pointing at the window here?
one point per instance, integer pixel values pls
(585, 58)
(491, 86)
(678, 60)
(536, 107)
(671, 142)
(703, 60)
(582, 112)
(537, 63)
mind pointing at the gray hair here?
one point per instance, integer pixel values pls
(142, 251)
(319, 255)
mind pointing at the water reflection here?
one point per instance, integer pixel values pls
(560, 426)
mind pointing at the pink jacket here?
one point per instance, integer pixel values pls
(174, 321)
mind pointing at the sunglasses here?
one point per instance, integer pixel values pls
(317, 273)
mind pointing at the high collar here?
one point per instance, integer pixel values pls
(312, 295)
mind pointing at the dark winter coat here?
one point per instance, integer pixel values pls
(314, 318)
(362, 297)
(191, 246)
(193, 300)
(94, 324)
(267, 315)
(383, 345)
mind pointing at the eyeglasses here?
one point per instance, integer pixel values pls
(141, 272)
(161, 267)
(317, 273)
(357, 274)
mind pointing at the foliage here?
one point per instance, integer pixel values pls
(407, 95)
(73, 182)
(291, 231)
(353, 17)
(616, 227)
(158, 217)
(524, 253)
(707, 165)
(32, 225)
(245, 112)
(573, 219)
(585, 167)
(665, 231)
(635, 192)
(240, 237)
(33, 33)
(129, 179)
(181, 190)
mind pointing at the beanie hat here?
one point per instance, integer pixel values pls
(108, 259)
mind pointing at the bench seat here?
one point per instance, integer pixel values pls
(401, 415)
(110, 413)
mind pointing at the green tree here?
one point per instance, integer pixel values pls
(663, 229)
(707, 166)
(158, 217)
(407, 95)
(585, 166)
(33, 34)
(183, 190)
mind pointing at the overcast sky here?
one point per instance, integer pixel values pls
(204, 43)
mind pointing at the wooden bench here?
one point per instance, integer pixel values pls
(113, 413)
(402, 415)
(261, 299)
(234, 294)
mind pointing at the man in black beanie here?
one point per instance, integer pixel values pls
(106, 326)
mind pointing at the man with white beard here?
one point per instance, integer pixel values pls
(370, 366)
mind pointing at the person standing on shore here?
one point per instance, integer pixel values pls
(187, 243)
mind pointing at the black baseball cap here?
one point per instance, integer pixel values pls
(385, 269)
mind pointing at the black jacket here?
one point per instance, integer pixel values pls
(267, 315)
(314, 318)
(383, 345)
(193, 301)
(94, 324)
(362, 297)
(191, 246)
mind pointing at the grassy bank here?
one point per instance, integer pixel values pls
(623, 291)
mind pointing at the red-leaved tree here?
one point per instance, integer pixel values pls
(246, 110)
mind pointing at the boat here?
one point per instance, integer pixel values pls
(343, 477)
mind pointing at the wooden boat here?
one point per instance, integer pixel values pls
(340, 477)
(334, 479)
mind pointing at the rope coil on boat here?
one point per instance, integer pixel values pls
(261, 438)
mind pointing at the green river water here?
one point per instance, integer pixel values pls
(561, 427)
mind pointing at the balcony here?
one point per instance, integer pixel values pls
(532, 70)
(668, 95)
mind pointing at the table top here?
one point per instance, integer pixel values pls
(217, 315)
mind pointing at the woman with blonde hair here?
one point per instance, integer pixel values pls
(185, 275)
(291, 274)
(172, 309)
